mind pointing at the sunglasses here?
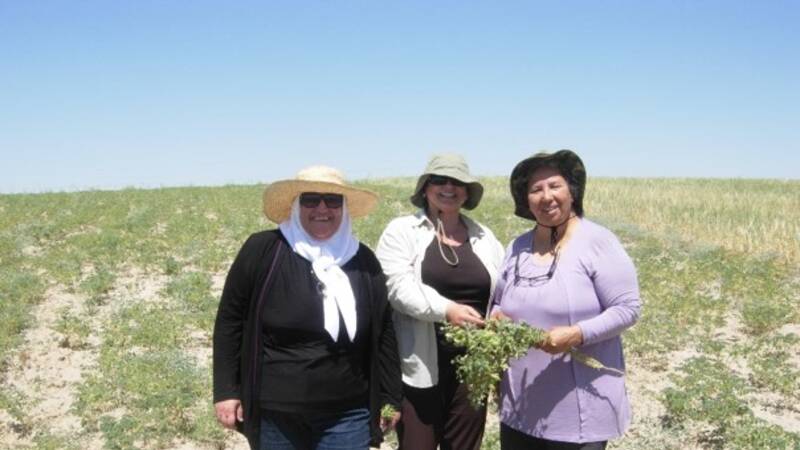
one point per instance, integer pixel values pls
(440, 180)
(312, 199)
(538, 280)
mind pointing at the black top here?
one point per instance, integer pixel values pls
(238, 336)
(304, 370)
(467, 283)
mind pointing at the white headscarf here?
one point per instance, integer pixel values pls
(326, 259)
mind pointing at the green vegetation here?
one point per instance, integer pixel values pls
(488, 351)
(717, 263)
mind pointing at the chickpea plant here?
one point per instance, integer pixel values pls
(489, 349)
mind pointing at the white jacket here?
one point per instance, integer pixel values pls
(417, 306)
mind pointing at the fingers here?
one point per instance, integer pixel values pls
(473, 316)
(561, 339)
(388, 424)
(498, 315)
(461, 315)
(228, 412)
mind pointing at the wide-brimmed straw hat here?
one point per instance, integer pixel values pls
(568, 164)
(278, 196)
(453, 166)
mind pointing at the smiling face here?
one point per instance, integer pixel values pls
(320, 221)
(549, 197)
(447, 198)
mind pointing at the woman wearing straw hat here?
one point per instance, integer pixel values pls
(304, 349)
(572, 277)
(440, 266)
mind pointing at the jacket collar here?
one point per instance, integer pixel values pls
(473, 229)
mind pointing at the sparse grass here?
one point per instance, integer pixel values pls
(75, 331)
(707, 252)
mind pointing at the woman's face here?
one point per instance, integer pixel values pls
(320, 214)
(445, 194)
(549, 198)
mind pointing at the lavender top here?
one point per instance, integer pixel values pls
(595, 287)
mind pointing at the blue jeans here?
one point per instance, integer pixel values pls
(348, 430)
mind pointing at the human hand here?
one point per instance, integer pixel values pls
(461, 315)
(562, 339)
(389, 423)
(229, 412)
(497, 314)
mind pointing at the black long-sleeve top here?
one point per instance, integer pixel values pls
(304, 370)
(238, 336)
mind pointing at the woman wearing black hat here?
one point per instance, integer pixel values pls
(572, 277)
(440, 266)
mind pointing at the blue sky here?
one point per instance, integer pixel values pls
(98, 94)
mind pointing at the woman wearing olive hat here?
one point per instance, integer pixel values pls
(572, 277)
(440, 266)
(305, 354)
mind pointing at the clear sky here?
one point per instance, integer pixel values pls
(108, 94)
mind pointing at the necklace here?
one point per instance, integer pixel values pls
(439, 239)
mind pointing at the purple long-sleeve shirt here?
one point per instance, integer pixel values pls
(594, 287)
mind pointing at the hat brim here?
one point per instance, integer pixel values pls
(278, 197)
(474, 188)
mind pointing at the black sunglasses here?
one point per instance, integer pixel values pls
(538, 280)
(440, 180)
(312, 199)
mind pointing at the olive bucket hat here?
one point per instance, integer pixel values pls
(449, 165)
(566, 162)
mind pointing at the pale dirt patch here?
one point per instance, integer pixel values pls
(732, 333)
(644, 387)
(83, 229)
(218, 282)
(158, 229)
(134, 285)
(11, 433)
(773, 408)
(46, 374)
(32, 251)
(199, 347)
(711, 289)
(235, 441)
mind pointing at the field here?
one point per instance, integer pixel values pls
(107, 301)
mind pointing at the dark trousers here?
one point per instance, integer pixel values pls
(511, 439)
(440, 415)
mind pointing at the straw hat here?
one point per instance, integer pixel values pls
(568, 164)
(453, 166)
(278, 196)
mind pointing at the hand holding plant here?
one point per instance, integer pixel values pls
(489, 349)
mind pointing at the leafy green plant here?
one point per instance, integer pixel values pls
(489, 349)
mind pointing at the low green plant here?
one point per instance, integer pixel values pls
(769, 358)
(489, 349)
(97, 285)
(74, 330)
